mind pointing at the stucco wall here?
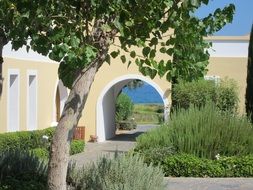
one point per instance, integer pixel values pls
(105, 75)
(235, 68)
(46, 83)
(222, 64)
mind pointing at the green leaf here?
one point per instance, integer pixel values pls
(106, 28)
(163, 50)
(114, 54)
(74, 41)
(154, 41)
(133, 54)
(108, 59)
(168, 76)
(170, 51)
(153, 73)
(128, 23)
(152, 53)
(146, 51)
(129, 63)
(123, 58)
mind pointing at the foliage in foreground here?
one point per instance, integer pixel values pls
(224, 94)
(203, 132)
(35, 142)
(22, 170)
(185, 165)
(124, 172)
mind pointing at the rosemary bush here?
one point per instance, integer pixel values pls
(203, 132)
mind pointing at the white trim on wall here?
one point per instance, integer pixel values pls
(229, 48)
(15, 106)
(100, 120)
(31, 107)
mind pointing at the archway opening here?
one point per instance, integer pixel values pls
(105, 121)
(61, 95)
(148, 105)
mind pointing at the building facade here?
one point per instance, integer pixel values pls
(33, 97)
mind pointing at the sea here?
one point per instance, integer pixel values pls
(145, 94)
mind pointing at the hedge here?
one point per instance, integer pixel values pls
(185, 165)
(33, 141)
(24, 140)
(224, 94)
(76, 146)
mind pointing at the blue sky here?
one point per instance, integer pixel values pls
(243, 18)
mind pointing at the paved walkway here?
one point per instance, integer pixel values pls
(125, 141)
(121, 143)
(209, 183)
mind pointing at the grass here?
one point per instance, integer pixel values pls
(148, 113)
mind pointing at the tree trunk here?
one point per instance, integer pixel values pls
(61, 141)
(3, 41)
(1, 67)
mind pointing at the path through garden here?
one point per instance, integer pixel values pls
(125, 141)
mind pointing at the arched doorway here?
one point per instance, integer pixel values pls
(105, 109)
(61, 95)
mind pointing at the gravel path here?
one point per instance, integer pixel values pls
(125, 141)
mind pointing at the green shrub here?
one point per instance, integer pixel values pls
(184, 165)
(198, 93)
(156, 155)
(227, 96)
(203, 132)
(124, 107)
(25, 140)
(42, 153)
(76, 146)
(22, 170)
(126, 125)
(190, 166)
(124, 172)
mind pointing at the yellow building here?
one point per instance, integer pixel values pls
(33, 97)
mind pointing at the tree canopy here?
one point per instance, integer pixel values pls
(72, 32)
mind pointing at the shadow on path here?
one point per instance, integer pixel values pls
(126, 137)
(121, 143)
